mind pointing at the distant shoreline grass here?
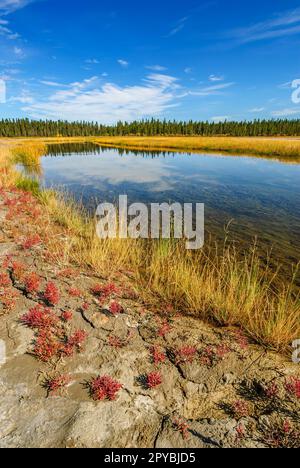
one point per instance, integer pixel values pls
(211, 284)
(287, 150)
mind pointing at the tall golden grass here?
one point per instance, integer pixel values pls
(211, 284)
(284, 148)
(219, 286)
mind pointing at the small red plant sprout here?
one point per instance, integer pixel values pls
(104, 292)
(164, 329)
(116, 342)
(115, 308)
(241, 339)
(240, 433)
(67, 316)
(18, 269)
(222, 351)
(102, 388)
(76, 340)
(293, 387)
(57, 383)
(8, 298)
(85, 306)
(5, 281)
(74, 292)
(31, 241)
(39, 317)
(240, 409)
(272, 391)
(32, 283)
(157, 356)
(154, 379)
(51, 294)
(186, 354)
(181, 426)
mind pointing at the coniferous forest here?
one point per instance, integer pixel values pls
(51, 128)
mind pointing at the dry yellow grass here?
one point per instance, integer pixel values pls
(286, 149)
(212, 285)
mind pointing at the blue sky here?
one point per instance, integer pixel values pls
(115, 60)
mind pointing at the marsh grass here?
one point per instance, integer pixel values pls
(281, 148)
(213, 284)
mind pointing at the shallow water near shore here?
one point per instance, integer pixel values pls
(260, 198)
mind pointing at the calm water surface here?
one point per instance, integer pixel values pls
(261, 197)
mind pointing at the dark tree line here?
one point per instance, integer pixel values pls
(51, 128)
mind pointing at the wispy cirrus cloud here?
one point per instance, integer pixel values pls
(158, 68)
(288, 112)
(9, 6)
(108, 103)
(282, 24)
(179, 26)
(212, 90)
(214, 78)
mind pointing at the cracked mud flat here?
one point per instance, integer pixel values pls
(199, 390)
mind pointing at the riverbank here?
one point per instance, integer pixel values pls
(281, 148)
(211, 284)
(86, 357)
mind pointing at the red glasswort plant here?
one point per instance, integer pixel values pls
(76, 340)
(46, 345)
(51, 294)
(18, 270)
(31, 241)
(154, 379)
(115, 308)
(272, 391)
(39, 317)
(57, 383)
(4, 280)
(293, 387)
(102, 388)
(32, 283)
(157, 356)
(240, 409)
(8, 298)
(74, 292)
(104, 291)
(185, 354)
(67, 316)
(181, 426)
(164, 329)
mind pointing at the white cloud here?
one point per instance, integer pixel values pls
(9, 6)
(92, 61)
(52, 84)
(257, 110)
(286, 112)
(287, 85)
(18, 51)
(123, 63)
(158, 68)
(24, 98)
(108, 103)
(214, 78)
(212, 90)
(188, 70)
(220, 118)
(283, 24)
(178, 27)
